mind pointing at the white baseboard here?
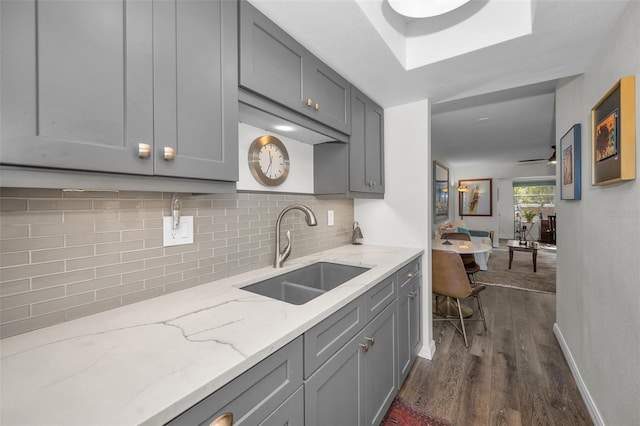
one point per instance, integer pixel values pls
(428, 352)
(582, 387)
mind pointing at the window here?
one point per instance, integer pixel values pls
(534, 193)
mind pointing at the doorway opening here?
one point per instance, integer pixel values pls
(534, 211)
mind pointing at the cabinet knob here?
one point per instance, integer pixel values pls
(365, 346)
(225, 419)
(411, 274)
(169, 153)
(309, 102)
(412, 294)
(371, 340)
(316, 106)
(144, 150)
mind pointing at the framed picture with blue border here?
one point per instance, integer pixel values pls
(570, 164)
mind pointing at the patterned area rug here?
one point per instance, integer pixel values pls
(521, 274)
(402, 413)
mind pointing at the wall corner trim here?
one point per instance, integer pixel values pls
(586, 396)
(427, 352)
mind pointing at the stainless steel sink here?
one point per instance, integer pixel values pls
(304, 284)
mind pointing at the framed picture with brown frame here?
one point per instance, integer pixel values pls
(476, 197)
(613, 134)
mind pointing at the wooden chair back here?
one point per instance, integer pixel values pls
(449, 277)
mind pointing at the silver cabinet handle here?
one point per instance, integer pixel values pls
(225, 419)
(309, 102)
(144, 150)
(365, 346)
(169, 153)
(412, 294)
(371, 340)
(316, 106)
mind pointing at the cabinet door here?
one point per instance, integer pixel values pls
(404, 346)
(374, 147)
(271, 61)
(408, 327)
(290, 413)
(77, 89)
(328, 96)
(366, 151)
(380, 364)
(415, 319)
(334, 394)
(195, 83)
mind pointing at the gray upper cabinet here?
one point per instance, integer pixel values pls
(131, 87)
(196, 94)
(366, 148)
(277, 67)
(356, 169)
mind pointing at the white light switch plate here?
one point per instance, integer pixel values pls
(330, 218)
(176, 237)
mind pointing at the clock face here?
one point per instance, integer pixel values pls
(271, 161)
(268, 161)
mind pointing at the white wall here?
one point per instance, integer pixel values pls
(300, 178)
(598, 284)
(403, 218)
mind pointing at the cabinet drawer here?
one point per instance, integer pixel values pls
(291, 412)
(324, 339)
(253, 395)
(380, 296)
(407, 272)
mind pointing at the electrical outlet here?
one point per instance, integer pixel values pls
(330, 218)
(175, 237)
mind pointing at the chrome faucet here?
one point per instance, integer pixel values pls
(311, 220)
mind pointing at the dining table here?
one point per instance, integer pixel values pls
(448, 307)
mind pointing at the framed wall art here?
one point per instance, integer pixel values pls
(613, 134)
(476, 197)
(440, 192)
(570, 167)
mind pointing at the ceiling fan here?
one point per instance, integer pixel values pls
(550, 160)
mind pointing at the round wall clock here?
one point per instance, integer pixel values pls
(268, 160)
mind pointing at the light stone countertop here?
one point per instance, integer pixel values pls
(147, 362)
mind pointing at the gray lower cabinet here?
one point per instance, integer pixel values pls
(334, 394)
(132, 87)
(409, 317)
(344, 371)
(262, 395)
(290, 413)
(274, 65)
(357, 385)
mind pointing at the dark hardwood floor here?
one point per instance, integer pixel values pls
(514, 374)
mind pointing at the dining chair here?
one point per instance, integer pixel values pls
(469, 260)
(449, 279)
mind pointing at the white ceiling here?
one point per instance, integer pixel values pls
(510, 82)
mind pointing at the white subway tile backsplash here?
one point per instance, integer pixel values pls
(67, 254)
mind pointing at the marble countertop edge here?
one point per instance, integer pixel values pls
(214, 332)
